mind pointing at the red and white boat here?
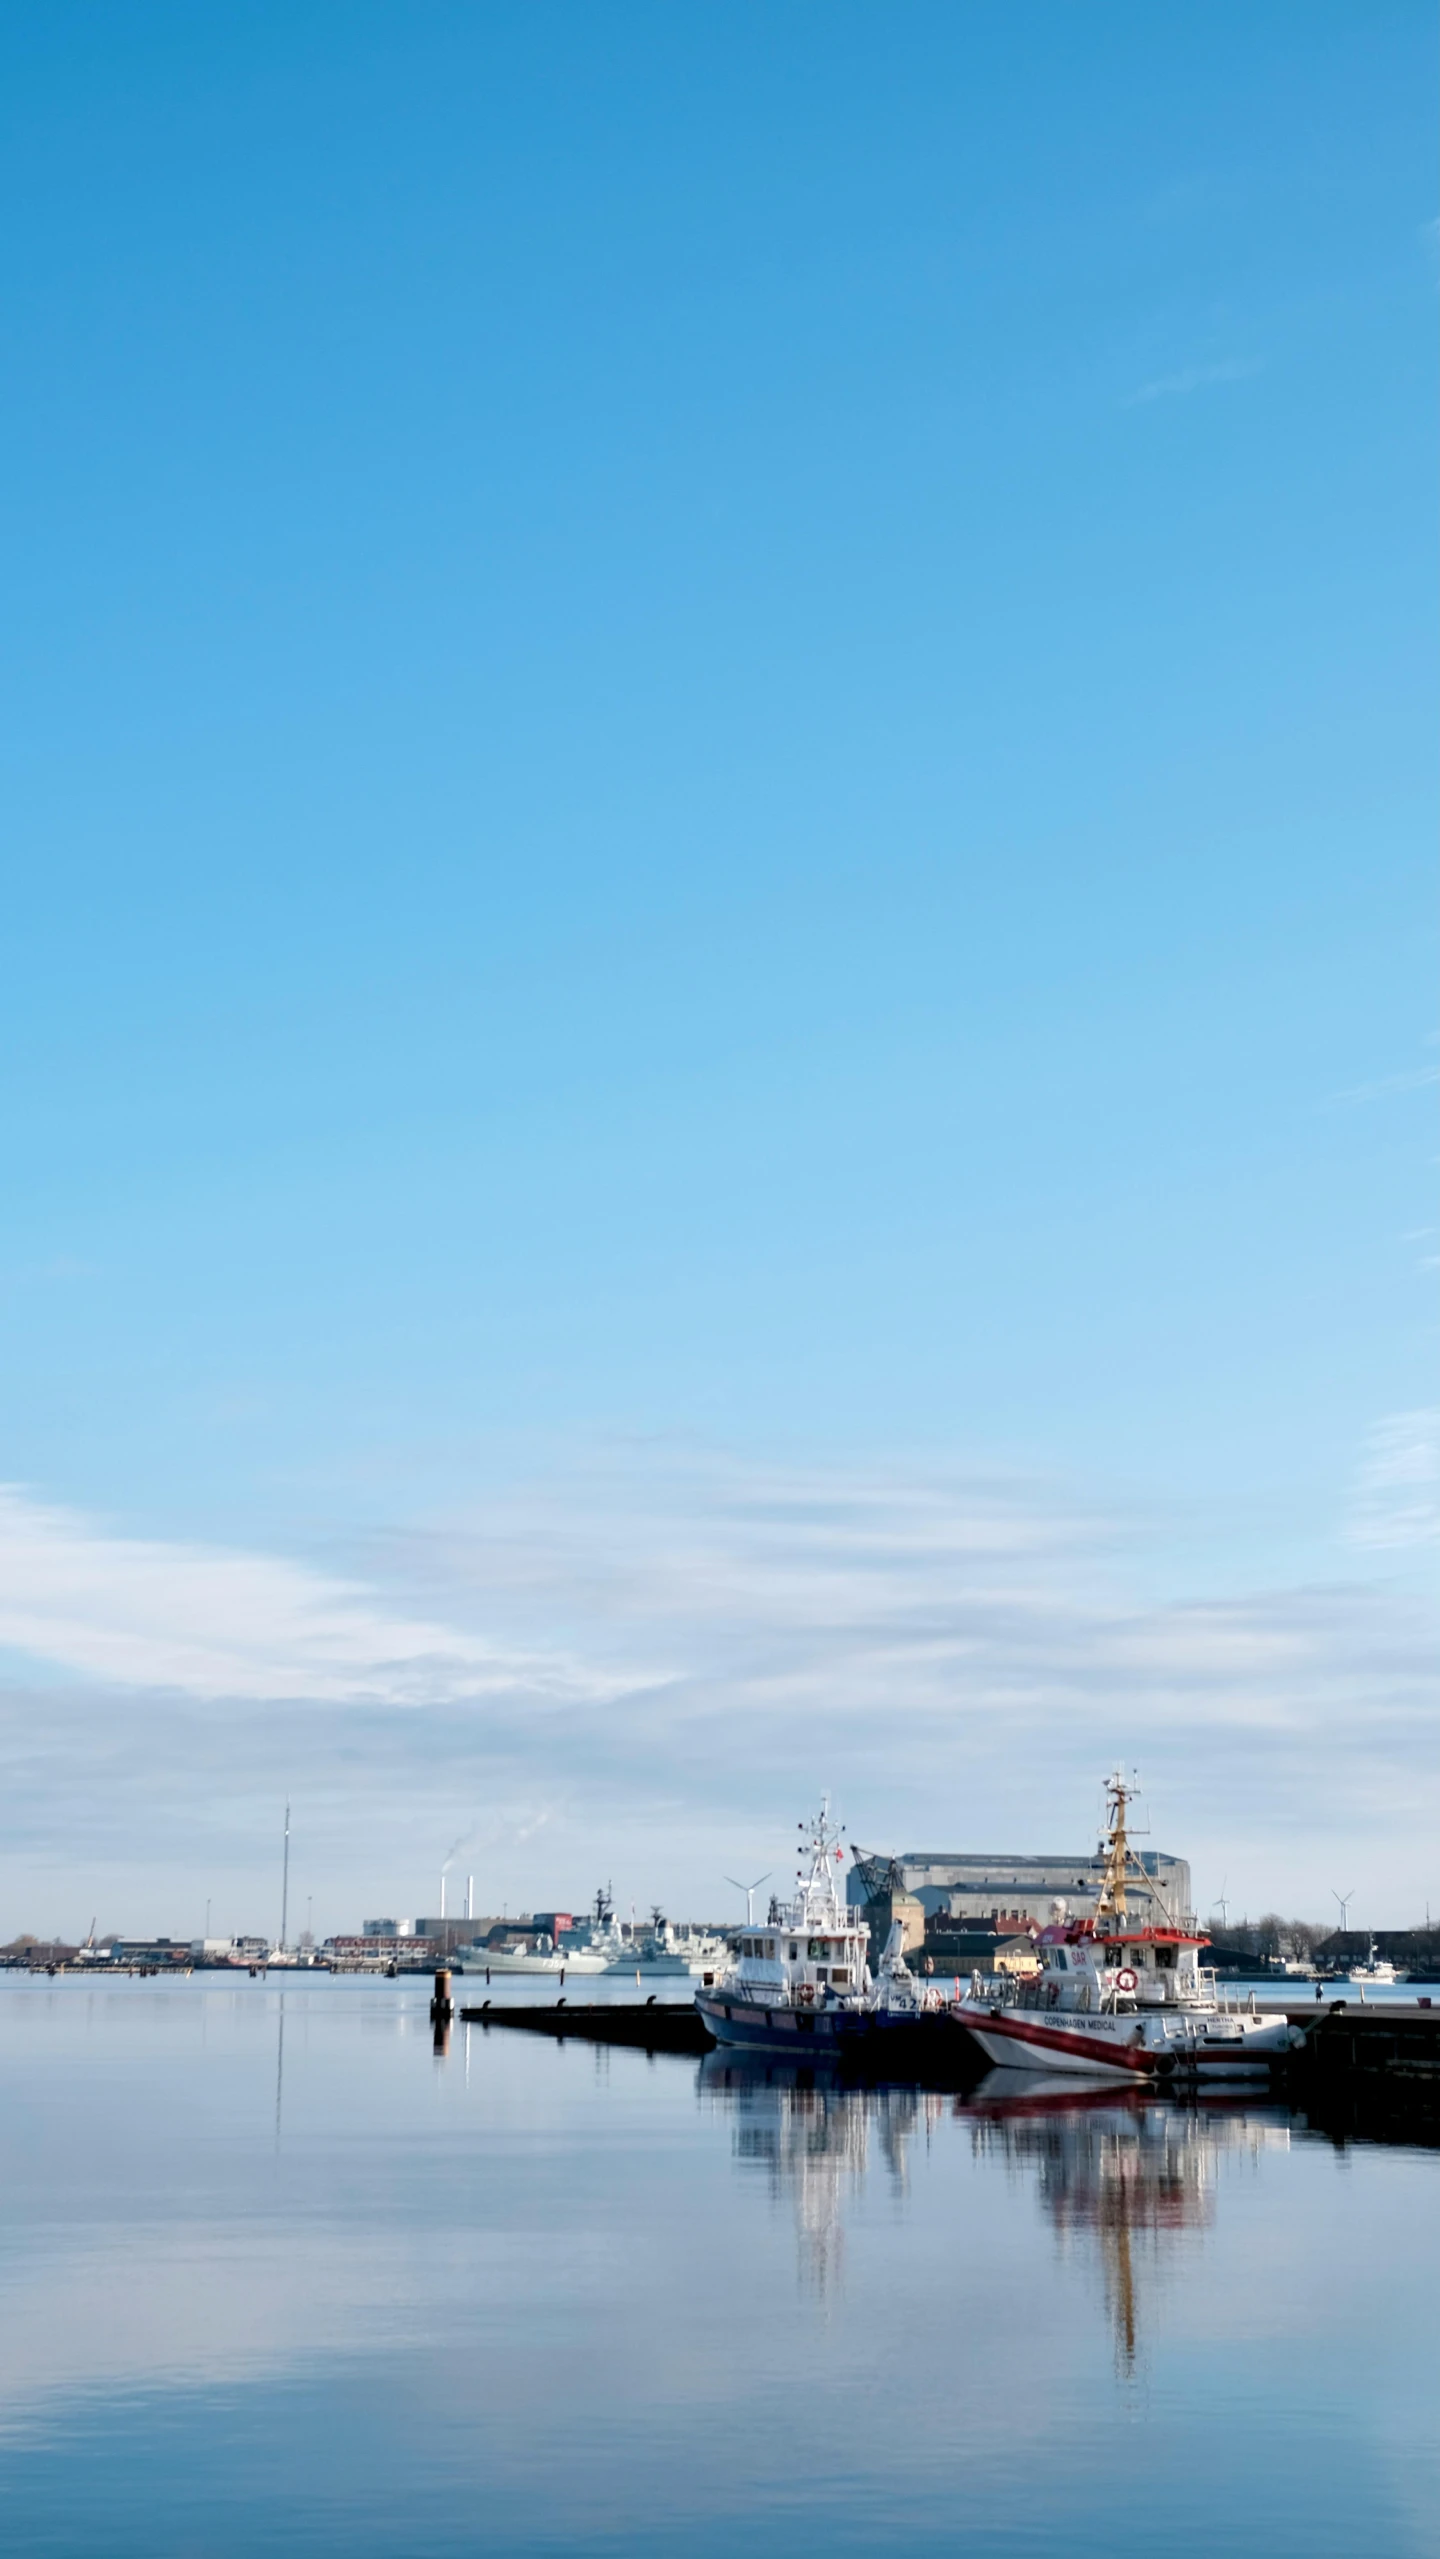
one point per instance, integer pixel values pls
(1119, 1998)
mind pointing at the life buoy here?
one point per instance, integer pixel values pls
(1127, 1979)
(806, 1994)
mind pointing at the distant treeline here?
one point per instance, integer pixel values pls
(1308, 1941)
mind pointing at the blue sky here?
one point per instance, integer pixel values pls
(720, 835)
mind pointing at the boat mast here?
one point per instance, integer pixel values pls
(1122, 1866)
(1111, 1901)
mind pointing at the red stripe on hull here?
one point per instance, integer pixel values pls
(1053, 2039)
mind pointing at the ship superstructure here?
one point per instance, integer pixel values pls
(1119, 1996)
(802, 1980)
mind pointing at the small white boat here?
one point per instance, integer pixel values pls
(1376, 1968)
(1118, 1997)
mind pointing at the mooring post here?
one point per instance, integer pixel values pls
(442, 2006)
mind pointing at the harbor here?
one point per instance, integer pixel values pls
(472, 2259)
(719, 1746)
(1090, 1968)
(1380, 2060)
(1116, 1993)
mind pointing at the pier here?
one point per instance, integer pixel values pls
(1369, 2064)
(1366, 2061)
(653, 2025)
(934, 2052)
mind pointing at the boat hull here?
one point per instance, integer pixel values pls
(1050, 2050)
(1122, 2049)
(667, 1968)
(546, 1964)
(777, 2027)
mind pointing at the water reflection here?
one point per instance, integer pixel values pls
(1118, 2168)
(1132, 2172)
(417, 2321)
(811, 2135)
(279, 2069)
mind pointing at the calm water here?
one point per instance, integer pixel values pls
(273, 2279)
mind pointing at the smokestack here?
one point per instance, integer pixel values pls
(469, 1896)
(442, 1892)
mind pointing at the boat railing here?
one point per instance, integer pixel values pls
(998, 1990)
(1229, 2002)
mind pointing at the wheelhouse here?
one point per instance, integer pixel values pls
(1084, 1964)
(812, 1950)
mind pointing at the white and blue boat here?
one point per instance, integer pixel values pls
(800, 1984)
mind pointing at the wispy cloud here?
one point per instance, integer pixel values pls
(1411, 1079)
(1397, 1499)
(1193, 377)
(215, 1623)
(953, 1653)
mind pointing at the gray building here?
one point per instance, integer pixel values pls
(973, 1890)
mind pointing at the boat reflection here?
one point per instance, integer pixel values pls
(811, 2134)
(1136, 2171)
(1129, 2171)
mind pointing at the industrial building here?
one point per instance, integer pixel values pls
(935, 1890)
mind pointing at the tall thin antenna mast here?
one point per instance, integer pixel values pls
(285, 1883)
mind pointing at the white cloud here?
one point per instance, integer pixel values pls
(218, 1624)
(952, 1653)
(1397, 1500)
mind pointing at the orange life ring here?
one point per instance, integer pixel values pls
(1127, 1978)
(806, 1994)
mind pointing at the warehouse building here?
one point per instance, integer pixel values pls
(1001, 1892)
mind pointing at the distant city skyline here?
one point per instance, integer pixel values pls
(719, 1017)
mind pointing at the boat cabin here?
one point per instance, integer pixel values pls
(788, 1962)
(812, 1950)
(1086, 1965)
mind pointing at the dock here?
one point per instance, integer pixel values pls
(933, 2052)
(1375, 2064)
(1366, 2064)
(652, 2026)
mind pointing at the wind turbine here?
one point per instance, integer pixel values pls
(1344, 1899)
(749, 1891)
(1222, 1904)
